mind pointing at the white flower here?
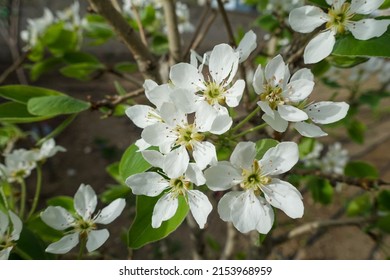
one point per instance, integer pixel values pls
(247, 209)
(247, 45)
(338, 20)
(283, 5)
(81, 224)
(10, 229)
(71, 16)
(279, 94)
(48, 149)
(18, 165)
(324, 112)
(153, 184)
(36, 27)
(175, 137)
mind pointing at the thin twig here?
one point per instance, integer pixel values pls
(206, 29)
(112, 101)
(172, 30)
(230, 242)
(147, 63)
(227, 24)
(15, 65)
(139, 24)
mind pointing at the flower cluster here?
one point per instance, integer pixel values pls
(82, 225)
(10, 229)
(341, 17)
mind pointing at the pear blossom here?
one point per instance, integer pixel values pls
(81, 224)
(324, 112)
(10, 229)
(153, 184)
(281, 94)
(17, 165)
(175, 137)
(339, 19)
(250, 208)
(48, 149)
(36, 27)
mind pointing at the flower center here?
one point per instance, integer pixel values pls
(179, 186)
(272, 95)
(253, 179)
(187, 135)
(214, 94)
(84, 227)
(339, 18)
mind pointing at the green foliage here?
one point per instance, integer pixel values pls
(60, 40)
(356, 130)
(383, 223)
(141, 231)
(30, 246)
(383, 199)
(345, 61)
(126, 67)
(321, 3)
(159, 44)
(321, 68)
(46, 233)
(359, 206)
(97, 29)
(81, 71)
(14, 112)
(113, 192)
(44, 66)
(361, 169)
(349, 46)
(373, 98)
(267, 22)
(262, 146)
(306, 146)
(321, 190)
(22, 93)
(63, 201)
(132, 162)
(56, 105)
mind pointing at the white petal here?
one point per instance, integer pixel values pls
(284, 196)
(195, 175)
(142, 115)
(158, 134)
(222, 176)
(298, 90)
(85, 201)
(155, 158)
(225, 205)
(111, 212)
(327, 112)
(304, 74)
(329, 2)
(148, 183)
(200, 206)
(141, 144)
(280, 158)
(96, 238)
(246, 45)
(4, 254)
(368, 28)
(176, 162)
(309, 129)
(204, 154)
(247, 212)
(57, 217)
(291, 113)
(221, 124)
(223, 62)
(184, 99)
(204, 116)
(243, 155)
(187, 76)
(234, 94)
(159, 95)
(277, 123)
(319, 47)
(173, 115)
(275, 71)
(258, 80)
(365, 7)
(164, 209)
(266, 222)
(266, 108)
(307, 18)
(149, 85)
(337, 4)
(64, 245)
(16, 224)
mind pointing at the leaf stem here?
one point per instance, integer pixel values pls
(83, 243)
(37, 192)
(253, 129)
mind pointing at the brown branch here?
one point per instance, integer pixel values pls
(172, 30)
(226, 21)
(111, 101)
(139, 24)
(147, 63)
(17, 63)
(206, 29)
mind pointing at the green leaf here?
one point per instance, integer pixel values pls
(360, 206)
(383, 223)
(14, 112)
(48, 234)
(44, 66)
(126, 67)
(132, 162)
(321, 3)
(320, 68)
(79, 57)
(306, 146)
(349, 46)
(56, 105)
(113, 170)
(31, 246)
(267, 22)
(262, 146)
(345, 61)
(97, 29)
(384, 200)
(63, 201)
(81, 71)
(361, 169)
(148, 15)
(114, 192)
(21, 93)
(119, 88)
(373, 98)
(321, 190)
(385, 5)
(60, 40)
(141, 231)
(357, 130)
(160, 44)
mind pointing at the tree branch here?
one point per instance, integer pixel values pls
(144, 58)
(227, 23)
(173, 31)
